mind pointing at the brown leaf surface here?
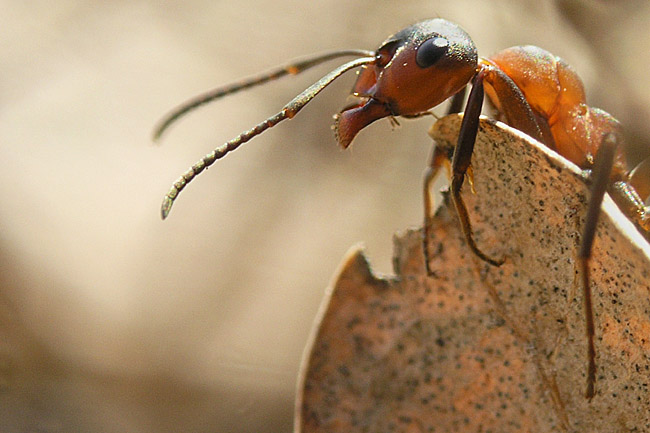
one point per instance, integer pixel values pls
(484, 349)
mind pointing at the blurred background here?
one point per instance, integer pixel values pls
(112, 320)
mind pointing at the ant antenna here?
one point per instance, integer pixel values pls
(288, 111)
(293, 68)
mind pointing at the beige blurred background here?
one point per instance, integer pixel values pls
(113, 321)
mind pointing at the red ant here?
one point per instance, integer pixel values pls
(427, 63)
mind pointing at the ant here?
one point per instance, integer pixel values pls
(429, 62)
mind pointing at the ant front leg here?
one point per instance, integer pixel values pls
(438, 159)
(461, 162)
(600, 174)
(456, 104)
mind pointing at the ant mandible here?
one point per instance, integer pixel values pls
(429, 62)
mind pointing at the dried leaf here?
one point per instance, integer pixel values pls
(479, 348)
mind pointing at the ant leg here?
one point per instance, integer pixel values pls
(456, 104)
(438, 158)
(640, 179)
(634, 195)
(512, 103)
(462, 159)
(604, 162)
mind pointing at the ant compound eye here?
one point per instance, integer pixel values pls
(431, 51)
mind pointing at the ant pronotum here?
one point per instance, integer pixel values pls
(427, 63)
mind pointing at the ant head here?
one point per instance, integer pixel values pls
(414, 70)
